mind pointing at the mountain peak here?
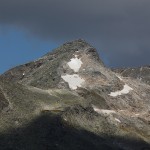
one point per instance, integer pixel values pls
(73, 47)
(46, 71)
(78, 43)
(72, 84)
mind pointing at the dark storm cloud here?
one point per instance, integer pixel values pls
(120, 29)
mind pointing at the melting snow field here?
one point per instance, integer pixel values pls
(125, 90)
(75, 64)
(74, 80)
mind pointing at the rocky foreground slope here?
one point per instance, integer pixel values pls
(68, 99)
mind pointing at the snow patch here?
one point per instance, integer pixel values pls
(125, 90)
(119, 78)
(65, 119)
(74, 80)
(75, 56)
(103, 111)
(75, 63)
(117, 120)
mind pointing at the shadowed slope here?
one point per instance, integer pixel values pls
(51, 132)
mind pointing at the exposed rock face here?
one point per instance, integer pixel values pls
(80, 98)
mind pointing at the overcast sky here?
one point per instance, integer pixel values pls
(119, 29)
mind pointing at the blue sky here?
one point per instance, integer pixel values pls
(18, 47)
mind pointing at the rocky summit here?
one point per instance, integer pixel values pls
(69, 100)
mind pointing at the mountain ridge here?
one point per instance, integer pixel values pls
(73, 84)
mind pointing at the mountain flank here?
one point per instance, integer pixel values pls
(68, 99)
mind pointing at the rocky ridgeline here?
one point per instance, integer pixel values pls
(70, 100)
(139, 73)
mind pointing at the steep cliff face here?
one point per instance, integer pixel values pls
(74, 90)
